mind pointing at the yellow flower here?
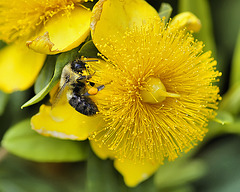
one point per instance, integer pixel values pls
(160, 97)
(158, 94)
(43, 26)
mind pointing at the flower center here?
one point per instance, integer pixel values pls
(154, 91)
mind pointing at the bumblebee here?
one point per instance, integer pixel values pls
(75, 76)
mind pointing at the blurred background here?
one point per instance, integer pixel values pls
(214, 166)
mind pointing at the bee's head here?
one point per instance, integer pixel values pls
(78, 66)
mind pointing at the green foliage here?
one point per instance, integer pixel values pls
(12, 112)
(201, 9)
(225, 15)
(46, 74)
(224, 117)
(231, 100)
(99, 172)
(223, 168)
(178, 174)
(235, 70)
(19, 175)
(3, 101)
(21, 140)
(89, 50)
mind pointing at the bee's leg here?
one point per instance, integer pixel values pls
(100, 87)
(91, 83)
(86, 94)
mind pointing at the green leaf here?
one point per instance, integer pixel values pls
(179, 173)
(89, 50)
(224, 117)
(165, 11)
(223, 123)
(46, 73)
(62, 60)
(231, 100)
(201, 9)
(231, 128)
(235, 69)
(20, 175)
(101, 176)
(226, 24)
(223, 168)
(216, 129)
(21, 140)
(3, 101)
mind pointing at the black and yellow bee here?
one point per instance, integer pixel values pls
(76, 78)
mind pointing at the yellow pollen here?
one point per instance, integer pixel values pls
(93, 91)
(155, 92)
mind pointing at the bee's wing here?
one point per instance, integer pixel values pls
(59, 93)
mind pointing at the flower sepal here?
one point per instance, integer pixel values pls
(165, 11)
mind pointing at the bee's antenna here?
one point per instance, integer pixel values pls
(88, 59)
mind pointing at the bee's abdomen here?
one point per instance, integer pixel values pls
(83, 104)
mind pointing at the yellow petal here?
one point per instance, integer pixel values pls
(187, 20)
(63, 32)
(19, 67)
(114, 17)
(63, 121)
(101, 150)
(134, 173)
(42, 44)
